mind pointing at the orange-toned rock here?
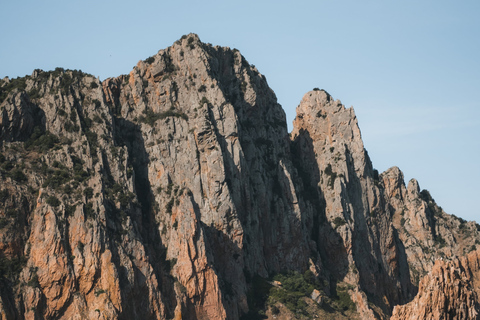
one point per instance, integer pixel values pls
(176, 191)
(449, 291)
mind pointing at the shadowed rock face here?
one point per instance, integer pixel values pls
(176, 190)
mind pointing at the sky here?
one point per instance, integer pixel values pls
(410, 69)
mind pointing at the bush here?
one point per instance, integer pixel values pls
(203, 101)
(293, 291)
(62, 113)
(41, 141)
(338, 222)
(151, 117)
(125, 198)
(169, 206)
(18, 175)
(343, 301)
(70, 127)
(18, 83)
(53, 201)
(440, 241)
(70, 210)
(56, 179)
(150, 60)
(88, 210)
(332, 175)
(88, 192)
(97, 103)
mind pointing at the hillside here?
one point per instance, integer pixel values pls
(176, 191)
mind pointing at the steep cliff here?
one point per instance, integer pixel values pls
(176, 192)
(449, 291)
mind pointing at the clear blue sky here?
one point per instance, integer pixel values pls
(411, 69)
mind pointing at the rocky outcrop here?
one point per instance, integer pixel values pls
(176, 192)
(426, 231)
(449, 291)
(360, 238)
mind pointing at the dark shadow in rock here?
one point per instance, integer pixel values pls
(129, 134)
(26, 116)
(329, 244)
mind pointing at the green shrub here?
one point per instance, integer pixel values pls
(343, 301)
(56, 179)
(97, 103)
(338, 222)
(151, 117)
(150, 60)
(125, 198)
(53, 201)
(97, 119)
(88, 210)
(70, 127)
(18, 175)
(41, 141)
(202, 88)
(18, 83)
(99, 292)
(61, 113)
(440, 241)
(293, 291)
(93, 84)
(169, 206)
(322, 115)
(203, 101)
(70, 210)
(169, 189)
(332, 175)
(88, 192)
(34, 93)
(80, 246)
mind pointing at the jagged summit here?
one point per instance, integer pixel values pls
(176, 191)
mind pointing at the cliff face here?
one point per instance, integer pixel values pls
(449, 291)
(176, 192)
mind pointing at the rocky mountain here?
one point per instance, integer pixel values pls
(176, 192)
(449, 291)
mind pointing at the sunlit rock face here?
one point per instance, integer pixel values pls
(176, 192)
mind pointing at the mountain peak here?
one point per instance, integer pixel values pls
(175, 191)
